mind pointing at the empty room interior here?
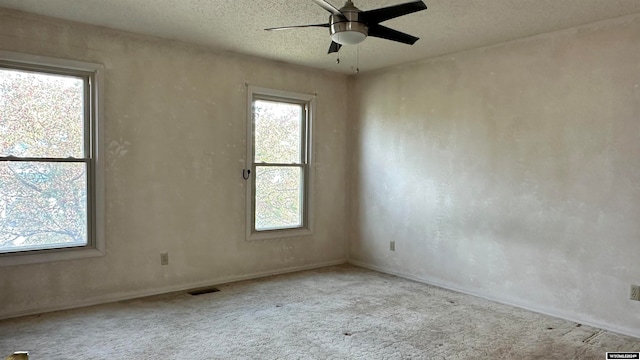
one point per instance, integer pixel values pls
(446, 179)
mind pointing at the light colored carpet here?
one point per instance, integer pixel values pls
(341, 312)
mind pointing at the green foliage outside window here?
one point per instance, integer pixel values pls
(278, 144)
(43, 182)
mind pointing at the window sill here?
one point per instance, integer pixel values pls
(278, 234)
(50, 256)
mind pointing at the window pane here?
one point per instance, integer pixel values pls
(42, 205)
(277, 131)
(41, 115)
(278, 197)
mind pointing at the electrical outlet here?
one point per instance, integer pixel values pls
(164, 258)
(635, 292)
(392, 245)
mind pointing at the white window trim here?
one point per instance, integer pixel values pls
(250, 183)
(97, 247)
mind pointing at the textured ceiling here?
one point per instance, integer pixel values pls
(237, 25)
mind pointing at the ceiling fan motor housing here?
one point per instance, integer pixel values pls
(348, 28)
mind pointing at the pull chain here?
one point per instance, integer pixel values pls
(358, 59)
(338, 52)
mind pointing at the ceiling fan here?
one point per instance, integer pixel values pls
(350, 25)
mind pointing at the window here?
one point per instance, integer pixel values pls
(279, 155)
(50, 175)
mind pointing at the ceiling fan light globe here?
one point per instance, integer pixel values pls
(349, 37)
(348, 32)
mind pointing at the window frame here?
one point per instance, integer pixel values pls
(92, 75)
(308, 101)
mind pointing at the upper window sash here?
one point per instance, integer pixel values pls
(266, 152)
(89, 73)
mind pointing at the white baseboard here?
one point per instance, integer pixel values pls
(168, 289)
(538, 309)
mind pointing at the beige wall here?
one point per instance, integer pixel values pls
(510, 172)
(175, 120)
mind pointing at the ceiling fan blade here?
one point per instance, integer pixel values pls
(297, 26)
(335, 47)
(384, 32)
(330, 8)
(383, 14)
